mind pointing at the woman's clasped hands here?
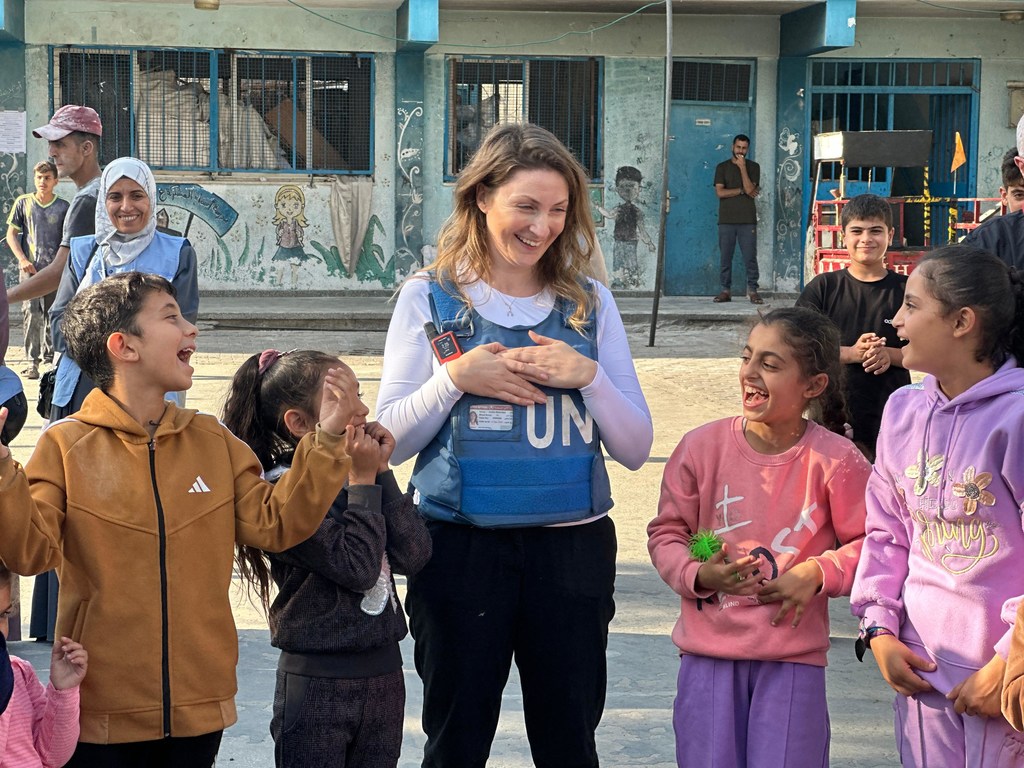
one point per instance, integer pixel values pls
(511, 374)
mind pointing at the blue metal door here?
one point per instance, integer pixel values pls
(703, 136)
(899, 94)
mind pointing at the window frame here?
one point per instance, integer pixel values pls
(595, 175)
(216, 167)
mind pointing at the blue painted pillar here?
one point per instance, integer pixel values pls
(417, 29)
(824, 26)
(818, 28)
(13, 175)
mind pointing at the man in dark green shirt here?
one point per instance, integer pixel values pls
(737, 183)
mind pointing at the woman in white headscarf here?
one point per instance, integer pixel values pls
(126, 240)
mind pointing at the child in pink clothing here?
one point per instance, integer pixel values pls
(779, 491)
(39, 729)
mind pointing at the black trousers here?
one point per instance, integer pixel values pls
(338, 722)
(543, 596)
(175, 752)
(746, 235)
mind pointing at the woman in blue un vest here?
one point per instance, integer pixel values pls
(528, 377)
(126, 240)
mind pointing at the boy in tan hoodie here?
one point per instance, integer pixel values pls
(138, 504)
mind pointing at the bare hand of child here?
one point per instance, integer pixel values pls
(865, 344)
(385, 440)
(897, 663)
(69, 662)
(794, 589)
(365, 454)
(341, 393)
(877, 360)
(979, 695)
(720, 575)
(4, 450)
(486, 372)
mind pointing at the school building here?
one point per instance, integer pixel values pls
(311, 145)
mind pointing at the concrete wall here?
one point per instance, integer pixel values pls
(408, 185)
(242, 257)
(633, 100)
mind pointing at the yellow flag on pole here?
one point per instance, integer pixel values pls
(959, 156)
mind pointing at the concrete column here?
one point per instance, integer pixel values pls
(791, 158)
(409, 93)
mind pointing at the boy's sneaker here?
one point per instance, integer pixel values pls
(32, 372)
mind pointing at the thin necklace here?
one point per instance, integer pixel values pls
(508, 304)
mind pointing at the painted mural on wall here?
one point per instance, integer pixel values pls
(14, 175)
(790, 238)
(12, 185)
(272, 237)
(290, 219)
(628, 230)
(409, 197)
(789, 194)
(627, 269)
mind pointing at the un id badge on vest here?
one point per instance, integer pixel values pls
(491, 418)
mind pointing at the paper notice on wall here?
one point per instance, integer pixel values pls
(13, 128)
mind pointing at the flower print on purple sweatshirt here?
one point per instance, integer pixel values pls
(941, 563)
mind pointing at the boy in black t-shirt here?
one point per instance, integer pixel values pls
(1012, 189)
(860, 299)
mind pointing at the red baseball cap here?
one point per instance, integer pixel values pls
(68, 119)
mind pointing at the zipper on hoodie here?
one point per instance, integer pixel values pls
(164, 644)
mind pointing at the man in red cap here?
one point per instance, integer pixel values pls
(73, 134)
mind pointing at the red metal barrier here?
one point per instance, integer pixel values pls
(966, 213)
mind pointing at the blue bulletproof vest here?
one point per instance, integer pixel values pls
(160, 258)
(494, 464)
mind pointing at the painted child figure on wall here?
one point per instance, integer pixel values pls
(290, 220)
(629, 228)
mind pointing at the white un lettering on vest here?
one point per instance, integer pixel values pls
(542, 435)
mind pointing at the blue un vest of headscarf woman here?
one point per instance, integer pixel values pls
(126, 240)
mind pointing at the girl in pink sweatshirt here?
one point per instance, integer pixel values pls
(779, 491)
(39, 728)
(940, 580)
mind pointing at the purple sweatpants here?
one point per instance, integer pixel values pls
(930, 734)
(750, 714)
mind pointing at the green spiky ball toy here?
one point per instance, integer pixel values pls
(704, 545)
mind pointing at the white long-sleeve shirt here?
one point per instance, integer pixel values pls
(417, 394)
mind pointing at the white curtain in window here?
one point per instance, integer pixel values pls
(350, 216)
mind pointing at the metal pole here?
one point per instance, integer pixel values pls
(659, 274)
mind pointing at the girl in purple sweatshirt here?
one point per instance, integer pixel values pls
(939, 580)
(786, 496)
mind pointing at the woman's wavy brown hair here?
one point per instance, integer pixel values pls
(462, 241)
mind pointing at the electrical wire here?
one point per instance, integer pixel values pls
(483, 47)
(957, 8)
